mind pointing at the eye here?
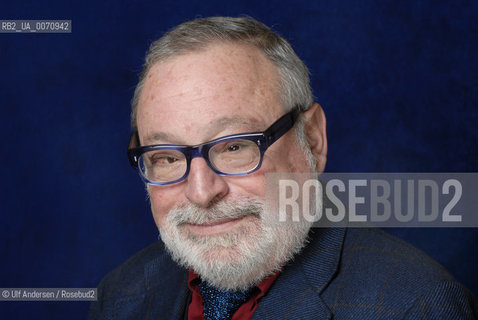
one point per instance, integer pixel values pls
(168, 160)
(236, 147)
(163, 159)
(233, 147)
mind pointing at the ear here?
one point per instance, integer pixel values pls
(316, 133)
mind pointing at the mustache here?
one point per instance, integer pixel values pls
(193, 214)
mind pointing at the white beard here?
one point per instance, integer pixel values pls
(238, 259)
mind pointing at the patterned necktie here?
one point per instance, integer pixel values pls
(221, 305)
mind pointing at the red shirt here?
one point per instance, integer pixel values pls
(245, 311)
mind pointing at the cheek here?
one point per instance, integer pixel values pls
(249, 185)
(161, 202)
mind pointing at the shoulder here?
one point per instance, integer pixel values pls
(130, 275)
(129, 288)
(375, 252)
(382, 275)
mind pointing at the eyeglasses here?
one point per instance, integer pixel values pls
(232, 155)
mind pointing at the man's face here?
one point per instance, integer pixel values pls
(195, 98)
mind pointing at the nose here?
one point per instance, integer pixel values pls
(204, 186)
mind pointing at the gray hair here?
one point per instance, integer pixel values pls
(196, 35)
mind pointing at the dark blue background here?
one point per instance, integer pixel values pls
(397, 79)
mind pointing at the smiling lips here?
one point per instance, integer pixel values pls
(215, 227)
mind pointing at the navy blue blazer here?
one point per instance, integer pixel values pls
(341, 274)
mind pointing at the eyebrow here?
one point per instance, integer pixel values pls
(216, 126)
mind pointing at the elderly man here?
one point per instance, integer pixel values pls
(220, 103)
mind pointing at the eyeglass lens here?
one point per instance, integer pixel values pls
(229, 157)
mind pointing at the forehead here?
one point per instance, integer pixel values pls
(199, 88)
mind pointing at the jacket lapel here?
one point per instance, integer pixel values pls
(296, 292)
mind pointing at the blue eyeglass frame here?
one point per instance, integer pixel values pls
(263, 140)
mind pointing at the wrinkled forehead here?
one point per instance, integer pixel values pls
(200, 88)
